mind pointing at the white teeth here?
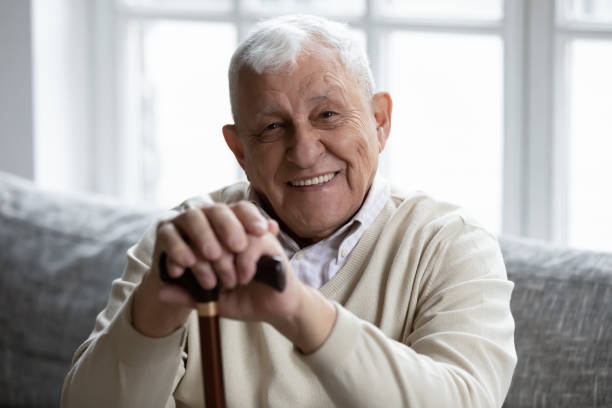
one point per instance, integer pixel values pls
(313, 181)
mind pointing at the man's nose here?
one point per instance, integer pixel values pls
(305, 147)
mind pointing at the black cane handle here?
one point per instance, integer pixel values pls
(269, 272)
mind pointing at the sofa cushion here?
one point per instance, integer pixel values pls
(59, 255)
(562, 305)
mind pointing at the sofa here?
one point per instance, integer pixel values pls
(59, 254)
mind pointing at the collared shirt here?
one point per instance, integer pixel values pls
(316, 264)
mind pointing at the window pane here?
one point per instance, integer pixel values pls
(590, 190)
(447, 120)
(187, 98)
(182, 5)
(324, 7)
(596, 11)
(465, 9)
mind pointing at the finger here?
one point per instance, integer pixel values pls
(170, 241)
(224, 268)
(174, 270)
(245, 264)
(273, 227)
(204, 274)
(194, 225)
(227, 226)
(174, 294)
(250, 217)
(246, 261)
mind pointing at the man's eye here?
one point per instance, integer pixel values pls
(272, 126)
(271, 132)
(328, 114)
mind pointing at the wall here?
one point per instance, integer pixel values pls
(46, 92)
(16, 107)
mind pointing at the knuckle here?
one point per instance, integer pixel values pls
(162, 225)
(165, 233)
(191, 214)
(181, 219)
(217, 207)
(248, 208)
(243, 205)
(218, 214)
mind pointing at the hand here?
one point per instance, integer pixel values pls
(200, 239)
(300, 313)
(224, 242)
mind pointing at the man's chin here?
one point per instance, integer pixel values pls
(319, 227)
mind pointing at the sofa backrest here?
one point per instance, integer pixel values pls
(58, 256)
(562, 305)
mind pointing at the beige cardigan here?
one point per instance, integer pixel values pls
(423, 321)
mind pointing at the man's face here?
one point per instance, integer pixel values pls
(309, 141)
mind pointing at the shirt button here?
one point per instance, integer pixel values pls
(343, 253)
(299, 256)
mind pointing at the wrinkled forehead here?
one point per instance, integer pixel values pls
(316, 72)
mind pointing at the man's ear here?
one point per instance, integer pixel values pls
(230, 133)
(382, 105)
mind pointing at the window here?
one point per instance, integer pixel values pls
(500, 106)
(447, 128)
(590, 143)
(585, 35)
(443, 9)
(185, 104)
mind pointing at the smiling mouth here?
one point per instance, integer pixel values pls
(325, 178)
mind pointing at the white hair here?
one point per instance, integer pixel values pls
(274, 45)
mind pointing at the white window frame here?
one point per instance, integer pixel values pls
(566, 31)
(546, 174)
(535, 160)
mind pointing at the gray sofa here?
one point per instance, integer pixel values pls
(59, 254)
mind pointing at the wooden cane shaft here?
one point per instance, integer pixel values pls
(212, 367)
(269, 272)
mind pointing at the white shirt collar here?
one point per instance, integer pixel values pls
(374, 202)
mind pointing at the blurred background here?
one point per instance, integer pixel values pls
(504, 107)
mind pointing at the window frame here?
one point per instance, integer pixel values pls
(566, 31)
(535, 158)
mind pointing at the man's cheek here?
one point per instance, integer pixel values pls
(343, 143)
(353, 148)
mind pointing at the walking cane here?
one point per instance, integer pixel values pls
(269, 272)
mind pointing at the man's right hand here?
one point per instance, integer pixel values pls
(205, 240)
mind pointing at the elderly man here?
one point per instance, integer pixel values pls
(392, 299)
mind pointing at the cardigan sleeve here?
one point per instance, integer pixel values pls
(117, 366)
(460, 351)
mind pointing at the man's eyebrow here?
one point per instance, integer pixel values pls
(331, 95)
(270, 110)
(318, 98)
